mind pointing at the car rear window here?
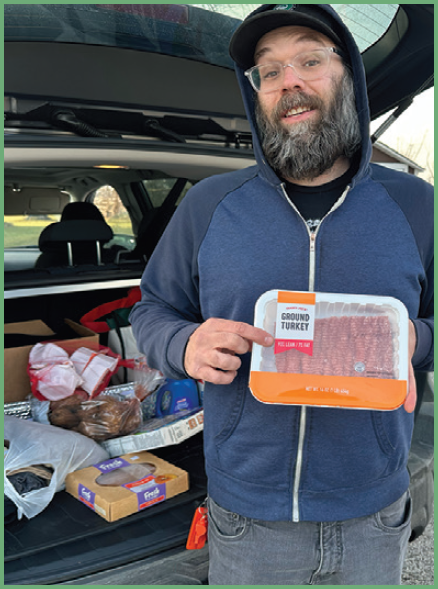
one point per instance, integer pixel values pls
(171, 29)
(195, 31)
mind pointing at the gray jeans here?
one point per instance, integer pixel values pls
(363, 551)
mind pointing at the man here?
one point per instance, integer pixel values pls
(297, 495)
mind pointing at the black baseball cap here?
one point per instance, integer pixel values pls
(248, 34)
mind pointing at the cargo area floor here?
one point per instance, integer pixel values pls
(68, 540)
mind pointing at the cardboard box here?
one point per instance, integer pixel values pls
(121, 486)
(16, 379)
(167, 435)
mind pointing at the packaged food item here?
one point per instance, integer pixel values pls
(19, 340)
(100, 418)
(21, 409)
(126, 484)
(331, 350)
(176, 396)
(157, 433)
(116, 411)
(54, 374)
(93, 368)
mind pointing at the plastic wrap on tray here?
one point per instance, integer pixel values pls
(332, 338)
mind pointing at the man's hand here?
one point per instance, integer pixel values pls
(411, 397)
(213, 349)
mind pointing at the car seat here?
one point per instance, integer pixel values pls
(76, 239)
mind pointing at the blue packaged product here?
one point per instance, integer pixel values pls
(175, 396)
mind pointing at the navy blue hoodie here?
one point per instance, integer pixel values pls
(235, 236)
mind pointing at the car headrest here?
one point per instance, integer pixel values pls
(74, 232)
(74, 211)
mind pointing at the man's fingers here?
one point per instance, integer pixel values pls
(213, 350)
(410, 401)
(232, 343)
(411, 397)
(225, 360)
(246, 331)
(209, 374)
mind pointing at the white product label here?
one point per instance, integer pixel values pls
(295, 324)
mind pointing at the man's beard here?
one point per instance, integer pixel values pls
(305, 150)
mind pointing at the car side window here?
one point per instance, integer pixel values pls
(115, 214)
(159, 188)
(24, 230)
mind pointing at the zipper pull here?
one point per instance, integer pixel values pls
(198, 530)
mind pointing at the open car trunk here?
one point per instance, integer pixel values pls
(68, 541)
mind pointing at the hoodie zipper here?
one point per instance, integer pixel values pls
(303, 415)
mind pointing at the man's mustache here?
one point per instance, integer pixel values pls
(296, 100)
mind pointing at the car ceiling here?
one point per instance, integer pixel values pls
(75, 167)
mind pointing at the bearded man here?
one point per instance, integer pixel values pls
(304, 150)
(298, 495)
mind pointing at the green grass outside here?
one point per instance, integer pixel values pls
(21, 236)
(121, 227)
(23, 233)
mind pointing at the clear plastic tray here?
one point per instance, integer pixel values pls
(331, 350)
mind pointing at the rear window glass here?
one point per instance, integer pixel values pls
(171, 29)
(195, 31)
(367, 22)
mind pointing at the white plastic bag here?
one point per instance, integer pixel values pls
(52, 372)
(33, 443)
(93, 368)
(43, 354)
(123, 343)
(57, 381)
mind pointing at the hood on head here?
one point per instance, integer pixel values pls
(320, 17)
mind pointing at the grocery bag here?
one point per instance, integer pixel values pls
(113, 318)
(31, 444)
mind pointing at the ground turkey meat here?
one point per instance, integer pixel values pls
(345, 346)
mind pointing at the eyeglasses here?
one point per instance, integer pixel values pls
(309, 65)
